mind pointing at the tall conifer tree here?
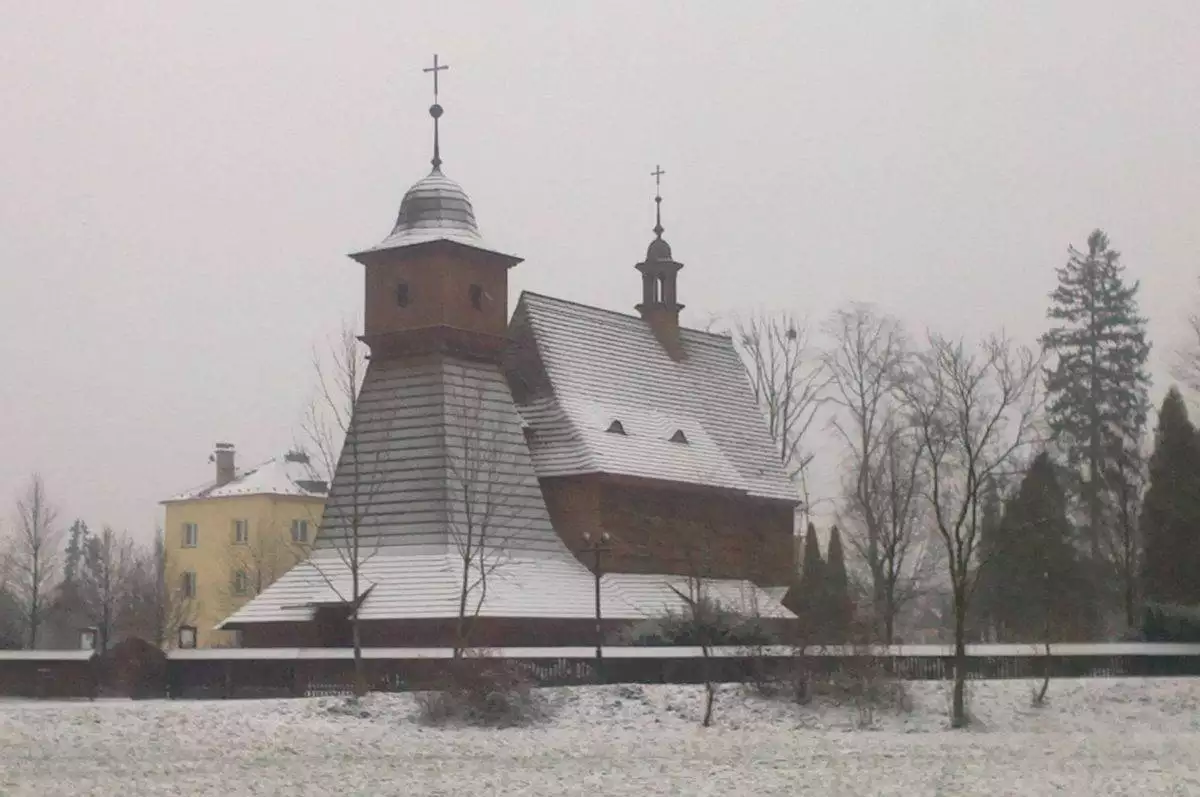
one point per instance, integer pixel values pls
(1098, 384)
(1043, 583)
(806, 598)
(839, 606)
(1170, 522)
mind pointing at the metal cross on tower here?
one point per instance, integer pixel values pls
(435, 110)
(657, 175)
(435, 69)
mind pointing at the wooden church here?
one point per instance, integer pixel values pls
(497, 468)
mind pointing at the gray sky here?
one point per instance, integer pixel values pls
(180, 183)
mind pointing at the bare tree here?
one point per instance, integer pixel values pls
(106, 583)
(899, 557)
(973, 412)
(866, 360)
(32, 557)
(702, 611)
(156, 609)
(788, 379)
(254, 564)
(482, 517)
(1186, 367)
(329, 426)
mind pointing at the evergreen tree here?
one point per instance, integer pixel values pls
(839, 607)
(77, 538)
(805, 598)
(1042, 580)
(1170, 522)
(1098, 386)
(989, 583)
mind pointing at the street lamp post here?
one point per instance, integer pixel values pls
(597, 548)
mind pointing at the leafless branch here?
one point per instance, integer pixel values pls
(33, 557)
(483, 518)
(329, 427)
(867, 358)
(157, 608)
(973, 413)
(788, 378)
(107, 583)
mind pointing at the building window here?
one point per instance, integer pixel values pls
(679, 437)
(476, 294)
(187, 584)
(402, 294)
(187, 636)
(191, 535)
(299, 531)
(241, 583)
(241, 532)
(616, 427)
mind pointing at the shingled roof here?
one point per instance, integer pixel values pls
(400, 585)
(290, 475)
(602, 396)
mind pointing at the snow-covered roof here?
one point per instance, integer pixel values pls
(282, 475)
(578, 369)
(655, 595)
(408, 585)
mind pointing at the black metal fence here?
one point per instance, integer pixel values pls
(316, 672)
(274, 672)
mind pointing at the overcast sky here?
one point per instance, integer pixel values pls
(181, 182)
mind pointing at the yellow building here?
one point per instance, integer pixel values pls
(227, 541)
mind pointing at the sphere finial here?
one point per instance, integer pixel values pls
(435, 110)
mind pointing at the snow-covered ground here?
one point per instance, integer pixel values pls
(1099, 737)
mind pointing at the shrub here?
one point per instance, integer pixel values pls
(135, 668)
(714, 625)
(479, 692)
(1163, 622)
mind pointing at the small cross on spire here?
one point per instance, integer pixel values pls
(657, 175)
(435, 110)
(435, 69)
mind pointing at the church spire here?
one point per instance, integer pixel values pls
(660, 307)
(435, 111)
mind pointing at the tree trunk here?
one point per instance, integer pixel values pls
(709, 691)
(1130, 609)
(958, 712)
(360, 676)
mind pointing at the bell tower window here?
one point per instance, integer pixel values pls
(476, 295)
(402, 297)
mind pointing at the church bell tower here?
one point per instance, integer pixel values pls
(433, 285)
(660, 299)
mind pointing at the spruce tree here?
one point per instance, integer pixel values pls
(1170, 521)
(839, 606)
(1044, 582)
(1097, 387)
(76, 540)
(805, 599)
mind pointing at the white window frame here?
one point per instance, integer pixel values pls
(241, 532)
(241, 582)
(298, 525)
(189, 585)
(191, 535)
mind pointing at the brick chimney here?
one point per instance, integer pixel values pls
(223, 454)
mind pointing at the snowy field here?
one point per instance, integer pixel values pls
(1099, 737)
